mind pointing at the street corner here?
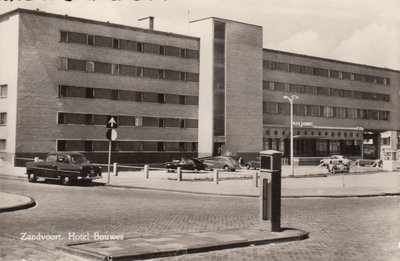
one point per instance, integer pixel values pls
(181, 244)
(12, 202)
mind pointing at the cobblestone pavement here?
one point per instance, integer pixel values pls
(340, 229)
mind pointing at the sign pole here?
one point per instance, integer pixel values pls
(109, 160)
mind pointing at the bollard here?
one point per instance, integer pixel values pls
(115, 170)
(146, 171)
(179, 173)
(255, 179)
(216, 176)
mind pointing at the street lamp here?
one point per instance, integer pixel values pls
(291, 98)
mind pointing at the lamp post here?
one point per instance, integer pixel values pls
(291, 98)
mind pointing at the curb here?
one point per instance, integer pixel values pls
(29, 204)
(183, 251)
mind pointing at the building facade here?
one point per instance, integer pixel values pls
(216, 92)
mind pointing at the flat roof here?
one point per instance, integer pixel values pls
(329, 60)
(218, 18)
(89, 21)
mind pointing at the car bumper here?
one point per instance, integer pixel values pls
(89, 177)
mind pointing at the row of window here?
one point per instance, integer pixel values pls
(324, 111)
(127, 70)
(133, 121)
(145, 146)
(312, 133)
(129, 45)
(3, 118)
(317, 90)
(3, 91)
(122, 95)
(273, 65)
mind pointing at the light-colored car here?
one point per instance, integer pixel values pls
(220, 162)
(337, 165)
(325, 161)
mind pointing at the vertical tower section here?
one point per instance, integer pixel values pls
(230, 103)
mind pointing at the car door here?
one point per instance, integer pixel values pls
(50, 166)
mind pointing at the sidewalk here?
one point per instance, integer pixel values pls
(11, 202)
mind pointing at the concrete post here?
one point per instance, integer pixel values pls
(255, 179)
(179, 173)
(146, 171)
(216, 176)
(115, 170)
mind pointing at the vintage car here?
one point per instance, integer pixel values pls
(185, 164)
(325, 161)
(220, 162)
(253, 164)
(67, 167)
(337, 165)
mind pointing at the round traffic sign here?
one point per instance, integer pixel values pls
(111, 134)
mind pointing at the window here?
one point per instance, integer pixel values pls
(351, 113)
(172, 51)
(358, 95)
(115, 68)
(346, 75)
(279, 86)
(127, 95)
(115, 43)
(89, 66)
(77, 38)
(88, 145)
(309, 89)
(323, 91)
(90, 39)
(192, 100)
(294, 68)
(151, 48)
(269, 107)
(126, 121)
(295, 88)
(108, 94)
(100, 119)
(3, 91)
(3, 118)
(2, 144)
(150, 97)
(78, 65)
(284, 108)
(162, 50)
(150, 146)
(64, 37)
(192, 77)
(127, 70)
(268, 85)
(75, 118)
(384, 115)
(63, 63)
(281, 66)
(308, 70)
(103, 41)
(150, 122)
(172, 99)
(183, 53)
(151, 73)
(369, 78)
(358, 77)
(299, 109)
(340, 112)
(312, 110)
(326, 111)
(130, 145)
(171, 123)
(387, 81)
(334, 74)
(161, 98)
(191, 123)
(336, 92)
(380, 80)
(139, 47)
(321, 72)
(102, 67)
(127, 45)
(182, 76)
(192, 54)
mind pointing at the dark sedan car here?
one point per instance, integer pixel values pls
(67, 167)
(253, 164)
(185, 164)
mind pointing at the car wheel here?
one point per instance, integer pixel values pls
(65, 180)
(334, 171)
(247, 166)
(226, 168)
(32, 177)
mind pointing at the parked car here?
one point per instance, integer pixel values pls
(337, 165)
(325, 161)
(221, 162)
(185, 164)
(369, 162)
(67, 167)
(253, 164)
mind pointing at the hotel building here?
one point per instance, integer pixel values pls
(216, 92)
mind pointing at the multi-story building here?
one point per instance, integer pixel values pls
(62, 76)
(217, 92)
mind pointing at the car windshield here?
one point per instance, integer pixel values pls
(78, 159)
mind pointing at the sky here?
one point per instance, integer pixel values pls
(357, 31)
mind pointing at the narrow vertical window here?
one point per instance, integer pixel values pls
(162, 50)
(89, 66)
(139, 47)
(63, 63)
(64, 37)
(90, 40)
(115, 43)
(3, 91)
(115, 69)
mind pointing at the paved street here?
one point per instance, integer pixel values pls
(341, 229)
